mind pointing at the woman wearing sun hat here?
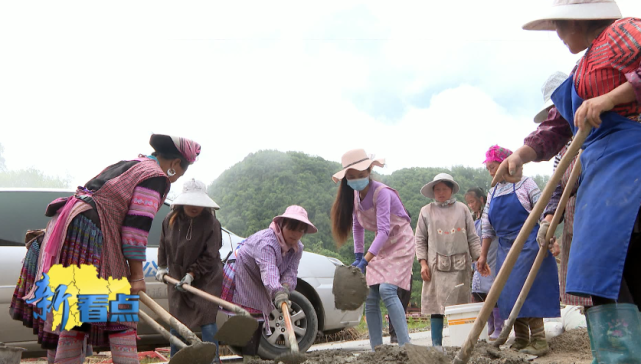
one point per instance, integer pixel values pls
(189, 249)
(607, 212)
(508, 206)
(263, 270)
(446, 245)
(106, 224)
(362, 203)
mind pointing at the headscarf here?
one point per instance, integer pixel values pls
(496, 154)
(281, 239)
(188, 148)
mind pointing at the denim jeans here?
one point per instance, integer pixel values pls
(386, 292)
(208, 331)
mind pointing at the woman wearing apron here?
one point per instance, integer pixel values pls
(606, 246)
(508, 206)
(189, 249)
(360, 204)
(476, 199)
(446, 245)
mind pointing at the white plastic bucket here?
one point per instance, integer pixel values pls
(460, 319)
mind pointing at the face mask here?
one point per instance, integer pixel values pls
(358, 184)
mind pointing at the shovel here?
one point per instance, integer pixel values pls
(238, 329)
(463, 356)
(350, 288)
(196, 353)
(574, 176)
(293, 357)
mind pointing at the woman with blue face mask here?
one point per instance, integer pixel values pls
(362, 203)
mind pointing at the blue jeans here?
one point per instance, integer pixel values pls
(388, 293)
(208, 331)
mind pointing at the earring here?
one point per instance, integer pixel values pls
(171, 172)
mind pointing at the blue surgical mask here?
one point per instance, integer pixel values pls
(358, 184)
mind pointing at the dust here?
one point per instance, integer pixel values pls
(350, 288)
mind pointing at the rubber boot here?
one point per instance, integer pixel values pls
(615, 333)
(436, 324)
(498, 324)
(490, 324)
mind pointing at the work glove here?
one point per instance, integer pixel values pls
(160, 274)
(362, 265)
(281, 296)
(187, 279)
(359, 257)
(544, 226)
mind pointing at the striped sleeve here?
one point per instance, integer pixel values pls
(269, 272)
(143, 206)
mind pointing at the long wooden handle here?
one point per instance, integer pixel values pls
(161, 330)
(169, 319)
(520, 301)
(291, 335)
(464, 354)
(219, 301)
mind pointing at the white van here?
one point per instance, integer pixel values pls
(313, 301)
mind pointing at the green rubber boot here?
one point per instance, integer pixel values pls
(587, 321)
(615, 333)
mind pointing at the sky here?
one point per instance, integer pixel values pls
(420, 83)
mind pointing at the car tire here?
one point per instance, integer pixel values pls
(305, 324)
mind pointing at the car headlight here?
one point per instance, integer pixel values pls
(335, 261)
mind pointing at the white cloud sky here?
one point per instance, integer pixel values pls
(421, 83)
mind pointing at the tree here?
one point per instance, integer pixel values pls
(29, 177)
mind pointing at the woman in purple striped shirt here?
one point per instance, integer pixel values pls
(262, 272)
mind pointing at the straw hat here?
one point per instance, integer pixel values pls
(552, 83)
(195, 194)
(356, 159)
(428, 189)
(575, 10)
(297, 213)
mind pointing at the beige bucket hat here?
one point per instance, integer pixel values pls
(356, 159)
(195, 194)
(552, 83)
(428, 189)
(575, 10)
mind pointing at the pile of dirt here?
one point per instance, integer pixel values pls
(574, 341)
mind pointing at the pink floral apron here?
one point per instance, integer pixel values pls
(393, 264)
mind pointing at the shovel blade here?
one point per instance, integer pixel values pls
(237, 330)
(198, 353)
(290, 358)
(350, 288)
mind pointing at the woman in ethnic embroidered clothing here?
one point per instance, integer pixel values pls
(508, 206)
(362, 203)
(105, 224)
(189, 249)
(263, 270)
(603, 91)
(476, 199)
(446, 245)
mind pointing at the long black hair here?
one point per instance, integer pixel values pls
(342, 213)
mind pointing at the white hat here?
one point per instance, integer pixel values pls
(575, 10)
(195, 194)
(552, 83)
(428, 189)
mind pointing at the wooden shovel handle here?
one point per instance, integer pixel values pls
(543, 250)
(464, 354)
(289, 327)
(169, 319)
(200, 293)
(161, 330)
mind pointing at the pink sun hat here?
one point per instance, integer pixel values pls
(296, 212)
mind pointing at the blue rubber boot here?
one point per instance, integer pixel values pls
(437, 332)
(615, 333)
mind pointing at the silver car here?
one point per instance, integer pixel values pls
(313, 301)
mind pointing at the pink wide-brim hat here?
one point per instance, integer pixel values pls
(296, 212)
(356, 159)
(575, 10)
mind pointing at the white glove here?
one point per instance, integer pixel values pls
(281, 297)
(543, 231)
(187, 279)
(160, 274)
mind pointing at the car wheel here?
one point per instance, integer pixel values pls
(305, 324)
